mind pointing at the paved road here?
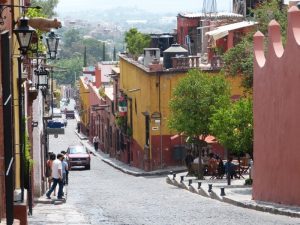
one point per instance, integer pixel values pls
(106, 196)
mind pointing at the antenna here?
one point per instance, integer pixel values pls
(209, 8)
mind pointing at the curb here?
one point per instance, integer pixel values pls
(215, 196)
(139, 174)
(81, 137)
(261, 208)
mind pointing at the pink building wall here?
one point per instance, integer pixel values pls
(277, 114)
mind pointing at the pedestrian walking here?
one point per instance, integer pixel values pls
(49, 169)
(66, 178)
(78, 127)
(57, 177)
(96, 142)
(64, 170)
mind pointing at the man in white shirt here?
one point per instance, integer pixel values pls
(57, 177)
(96, 142)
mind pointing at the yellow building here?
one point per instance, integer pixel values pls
(148, 89)
(84, 108)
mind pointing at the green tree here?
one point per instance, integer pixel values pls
(114, 54)
(233, 126)
(73, 69)
(136, 41)
(71, 37)
(103, 51)
(31, 13)
(195, 99)
(48, 6)
(242, 53)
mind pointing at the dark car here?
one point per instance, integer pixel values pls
(78, 155)
(70, 114)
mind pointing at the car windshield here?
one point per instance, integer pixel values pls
(77, 150)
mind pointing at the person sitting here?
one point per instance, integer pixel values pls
(230, 168)
(212, 165)
(221, 168)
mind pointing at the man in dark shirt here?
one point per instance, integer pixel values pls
(188, 162)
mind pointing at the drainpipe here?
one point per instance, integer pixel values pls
(160, 124)
(21, 127)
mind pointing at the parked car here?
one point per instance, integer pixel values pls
(78, 155)
(70, 114)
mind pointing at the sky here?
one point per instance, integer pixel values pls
(149, 5)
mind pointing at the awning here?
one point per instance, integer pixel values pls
(208, 139)
(223, 31)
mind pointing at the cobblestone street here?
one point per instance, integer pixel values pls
(106, 196)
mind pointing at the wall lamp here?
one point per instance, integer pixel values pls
(52, 41)
(24, 33)
(3, 7)
(42, 77)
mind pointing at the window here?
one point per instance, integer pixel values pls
(152, 53)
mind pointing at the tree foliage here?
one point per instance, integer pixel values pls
(196, 97)
(242, 53)
(73, 69)
(233, 126)
(31, 13)
(48, 6)
(136, 41)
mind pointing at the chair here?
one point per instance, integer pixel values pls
(244, 165)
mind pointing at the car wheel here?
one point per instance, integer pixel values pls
(88, 167)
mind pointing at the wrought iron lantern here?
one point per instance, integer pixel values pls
(24, 34)
(52, 41)
(42, 77)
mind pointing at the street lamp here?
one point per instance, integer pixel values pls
(42, 77)
(24, 33)
(52, 41)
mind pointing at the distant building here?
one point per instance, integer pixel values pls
(191, 28)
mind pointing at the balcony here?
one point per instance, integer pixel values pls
(190, 62)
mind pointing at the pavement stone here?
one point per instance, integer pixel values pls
(237, 193)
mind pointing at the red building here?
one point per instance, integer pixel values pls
(191, 28)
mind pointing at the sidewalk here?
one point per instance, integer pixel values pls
(125, 168)
(236, 194)
(44, 200)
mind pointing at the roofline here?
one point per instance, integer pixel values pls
(147, 70)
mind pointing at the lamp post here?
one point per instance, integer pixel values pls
(52, 41)
(23, 33)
